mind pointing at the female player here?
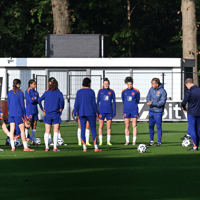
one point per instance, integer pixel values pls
(32, 97)
(87, 133)
(86, 109)
(105, 99)
(53, 106)
(130, 98)
(17, 113)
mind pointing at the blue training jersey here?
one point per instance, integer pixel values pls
(85, 104)
(53, 101)
(106, 101)
(16, 104)
(32, 97)
(130, 98)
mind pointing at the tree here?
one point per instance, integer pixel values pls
(189, 37)
(60, 9)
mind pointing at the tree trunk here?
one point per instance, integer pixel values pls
(60, 16)
(189, 38)
(129, 22)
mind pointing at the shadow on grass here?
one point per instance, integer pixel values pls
(95, 175)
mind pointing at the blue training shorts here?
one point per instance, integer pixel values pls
(133, 114)
(16, 120)
(55, 119)
(108, 116)
(33, 117)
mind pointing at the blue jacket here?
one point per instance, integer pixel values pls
(85, 104)
(130, 98)
(32, 97)
(158, 97)
(16, 104)
(192, 97)
(105, 98)
(53, 101)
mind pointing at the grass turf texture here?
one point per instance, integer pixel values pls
(118, 172)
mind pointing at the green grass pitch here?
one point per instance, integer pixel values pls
(118, 172)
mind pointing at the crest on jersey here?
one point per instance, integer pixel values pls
(109, 93)
(100, 116)
(158, 92)
(132, 93)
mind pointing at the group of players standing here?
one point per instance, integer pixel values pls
(21, 116)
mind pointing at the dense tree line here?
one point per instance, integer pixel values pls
(140, 28)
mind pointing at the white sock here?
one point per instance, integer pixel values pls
(12, 144)
(194, 147)
(127, 138)
(26, 133)
(33, 134)
(49, 139)
(46, 140)
(108, 138)
(100, 138)
(134, 139)
(87, 132)
(96, 146)
(25, 145)
(59, 135)
(79, 135)
(84, 146)
(8, 134)
(55, 140)
(188, 135)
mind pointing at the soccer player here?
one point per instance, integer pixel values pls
(17, 113)
(87, 133)
(130, 98)
(156, 100)
(53, 106)
(106, 108)
(86, 109)
(192, 97)
(32, 97)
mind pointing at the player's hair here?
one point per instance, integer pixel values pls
(15, 82)
(31, 81)
(106, 79)
(128, 80)
(53, 84)
(86, 82)
(28, 121)
(51, 78)
(157, 80)
(188, 80)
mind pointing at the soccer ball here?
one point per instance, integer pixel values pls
(17, 143)
(186, 143)
(37, 141)
(60, 141)
(142, 148)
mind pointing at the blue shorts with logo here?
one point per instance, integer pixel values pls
(52, 118)
(16, 119)
(33, 117)
(108, 116)
(133, 114)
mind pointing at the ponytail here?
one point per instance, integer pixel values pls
(15, 83)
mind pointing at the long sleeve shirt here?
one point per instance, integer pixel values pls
(53, 101)
(16, 104)
(106, 101)
(85, 104)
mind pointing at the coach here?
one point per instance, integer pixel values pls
(156, 100)
(192, 97)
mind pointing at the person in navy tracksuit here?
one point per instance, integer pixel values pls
(53, 107)
(156, 99)
(106, 108)
(17, 113)
(192, 97)
(32, 97)
(130, 98)
(86, 109)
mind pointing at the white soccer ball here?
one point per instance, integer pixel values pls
(60, 141)
(142, 148)
(186, 143)
(37, 141)
(17, 143)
